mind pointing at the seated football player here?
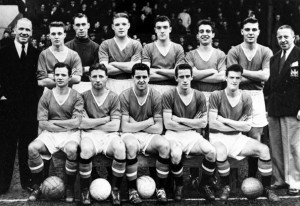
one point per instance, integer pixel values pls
(184, 111)
(99, 133)
(230, 114)
(141, 131)
(60, 112)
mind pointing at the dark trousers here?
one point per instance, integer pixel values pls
(15, 135)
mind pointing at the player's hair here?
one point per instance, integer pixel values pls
(62, 65)
(98, 66)
(140, 66)
(206, 22)
(57, 24)
(162, 19)
(183, 67)
(80, 15)
(120, 15)
(286, 27)
(234, 68)
(250, 20)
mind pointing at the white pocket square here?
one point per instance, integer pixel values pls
(3, 98)
(295, 64)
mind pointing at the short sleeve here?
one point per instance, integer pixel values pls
(137, 51)
(43, 107)
(214, 101)
(42, 67)
(232, 57)
(103, 52)
(247, 110)
(115, 107)
(266, 58)
(124, 103)
(221, 61)
(167, 101)
(201, 102)
(78, 110)
(179, 54)
(189, 59)
(76, 66)
(146, 57)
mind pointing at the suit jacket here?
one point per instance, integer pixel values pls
(18, 83)
(284, 89)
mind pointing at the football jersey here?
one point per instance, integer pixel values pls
(50, 109)
(216, 61)
(218, 102)
(151, 107)
(172, 102)
(109, 107)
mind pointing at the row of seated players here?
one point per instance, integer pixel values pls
(92, 120)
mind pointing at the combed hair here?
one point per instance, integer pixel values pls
(140, 66)
(98, 66)
(57, 24)
(206, 22)
(183, 67)
(234, 68)
(80, 15)
(62, 65)
(250, 20)
(286, 27)
(162, 19)
(121, 15)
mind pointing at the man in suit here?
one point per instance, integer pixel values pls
(283, 89)
(18, 103)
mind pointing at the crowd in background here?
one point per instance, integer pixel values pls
(184, 15)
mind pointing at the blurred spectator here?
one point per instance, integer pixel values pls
(153, 38)
(68, 27)
(164, 10)
(94, 11)
(147, 9)
(277, 23)
(41, 46)
(43, 38)
(183, 43)
(84, 9)
(96, 27)
(196, 17)
(144, 24)
(6, 39)
(134, 37)
(297, 40)
(179, 28)
(189, 48)
(186, 19)
(216, 43)
(48, 41)
(54, 14)
(106, 33)
(44, 24)
(42, 13)
(34, 43)
(71, 9)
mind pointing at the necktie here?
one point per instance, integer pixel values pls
(282, 60)
(23, 54)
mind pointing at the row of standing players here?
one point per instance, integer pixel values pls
(119, 55)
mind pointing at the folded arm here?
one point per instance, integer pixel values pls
(171, 124)
(216, 124)
(128, 126)
(260, 75)
(200, 121)
(67, 123)
(90, 123)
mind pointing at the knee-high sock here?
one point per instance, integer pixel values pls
(118, 170)
(131, 172)
(252, 166)
(71, 170)
(85, 170)
(224, 171)
(177, 171)
(36, 166)
(265, 169)
(162, 171)
(208, 169)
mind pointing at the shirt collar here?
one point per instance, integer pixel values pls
(19, 46)
(287, 52)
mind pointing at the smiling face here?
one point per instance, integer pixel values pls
(23, 31)
(205, 34)
(250, 32)
(61, 77)
(57, 36)
(121, 26)
(81, 27)
(98, 79)
(233, 80)
(141, 79)
(285, 38)
(163, 30)
(184, 79)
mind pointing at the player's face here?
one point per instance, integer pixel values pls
(23, 31)
(163, 30)
(57, 36)
(141, 79)
(61, 77)
(184, 79)
(233, 80)
(81, 27)
(285, 38)
(250, 32)
(98, 79)
(121, 27)
(205, 34)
